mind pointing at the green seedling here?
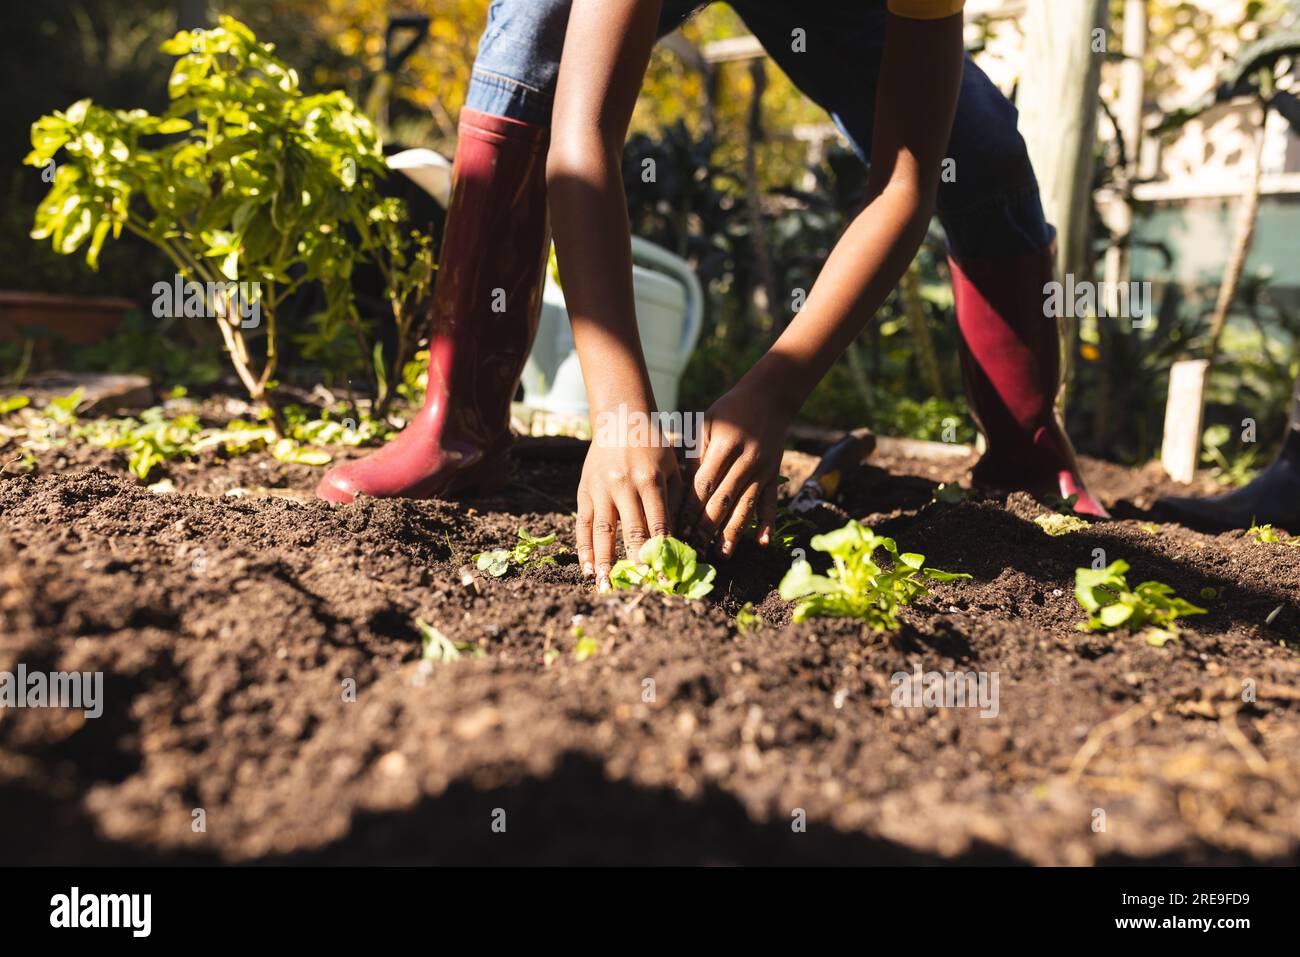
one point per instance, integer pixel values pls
(524, 555)
(437, 647)
(783, 528)
(586, 647)
(149, 441)
(24, 463)
(62, 410)
(1057, 524)
(857, 587)
(1267, 535)
(1236, 472)
(153, 439)
(13, 403)
(747, 619)
(665, 565)
(288, 450)
(1110, 603)
(1159, 637)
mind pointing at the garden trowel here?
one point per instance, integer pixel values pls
(824, 484)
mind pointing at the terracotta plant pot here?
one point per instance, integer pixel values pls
(81, 320)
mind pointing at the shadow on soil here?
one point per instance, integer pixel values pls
(576, 815)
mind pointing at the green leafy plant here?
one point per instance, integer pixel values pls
(437, 647)
(524, 555)
(244, 180)
(1057, 524)
(13, 403)
(1105, 595)
(784, 526)
(1233, 472)
(149, 442)
(856, 587)
(747, 619)
(665, 565)
(1267, 535)
(586, 646)
(62, 410)
(154, 438)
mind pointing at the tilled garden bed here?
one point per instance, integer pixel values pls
(262, 665)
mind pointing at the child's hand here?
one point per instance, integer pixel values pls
(637, 487)
(737, 472)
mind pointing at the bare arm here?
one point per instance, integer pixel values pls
(606, 50)
(916, 100)
(920, 79)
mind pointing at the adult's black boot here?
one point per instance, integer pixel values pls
(1271, 498)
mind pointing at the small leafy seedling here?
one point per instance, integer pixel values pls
(665, 565)
(1267, 535)
(1105, 595)
(1056, 524)
(747, 619)
(783, 528)
(437, 647)
(857, 587)
(586, 646)
(524, 555)
(1236, 472)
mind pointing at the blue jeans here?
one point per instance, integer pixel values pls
(992, 208)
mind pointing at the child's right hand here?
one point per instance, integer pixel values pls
(636, 487)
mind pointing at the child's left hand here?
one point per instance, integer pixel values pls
(737, 472)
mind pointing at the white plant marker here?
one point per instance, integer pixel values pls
(1183, 413)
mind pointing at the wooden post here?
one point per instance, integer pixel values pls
(1118, 272)
(1065, 41)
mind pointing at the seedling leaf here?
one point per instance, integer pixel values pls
(665, 565)
(437, 647)
(856, 587)
(1105, 595)
(498, 562)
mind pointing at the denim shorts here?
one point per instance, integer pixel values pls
(992, 206)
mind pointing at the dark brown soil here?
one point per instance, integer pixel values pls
(228, 629)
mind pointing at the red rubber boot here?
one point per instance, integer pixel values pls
(1011, 366)
(485, 313)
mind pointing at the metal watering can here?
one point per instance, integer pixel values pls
(669, 312)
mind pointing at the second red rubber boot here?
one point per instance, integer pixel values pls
(1012, 369)
(485, 313)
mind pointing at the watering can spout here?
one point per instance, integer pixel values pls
(428, 170)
